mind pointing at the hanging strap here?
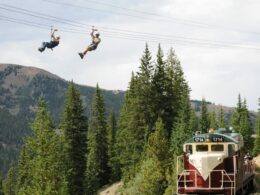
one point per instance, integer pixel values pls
(51, 31)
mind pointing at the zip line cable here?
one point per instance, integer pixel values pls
(80, 25)
(41, 15)
(122, 36)
(163, 18)
(120, 13)
(142, 12)
(137, 35)
(111, 36)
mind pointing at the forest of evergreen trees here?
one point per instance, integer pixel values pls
(83, 154)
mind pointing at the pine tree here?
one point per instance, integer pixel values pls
(151, 178)
(212, 118)
(24, 173)
(179, 90)
(221, 118)
(236, 115)
(246, 128)
(256, 150)
(204, 119)
(194, 121)
(10, 181)
(1, 185)
(97, 163)
(112, 161)
(143, 91)
(131, 129)
(241, 122)
(182, 128)
(75, 127)
(40, 162)
(162, 106)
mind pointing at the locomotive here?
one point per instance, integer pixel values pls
(214, 163)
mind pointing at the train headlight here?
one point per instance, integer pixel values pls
(219, 159)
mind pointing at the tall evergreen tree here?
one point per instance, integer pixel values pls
(75, 127)
(246, 128)
(131, 129)
(236, 115)
(162, 106)
(213, 122)
(41, 162)
(184, 119)
(221, 118)
(143, 91)
(137, 117)
(97, 163)
(256, 150)
(182, 128)
(204, 119)
(112, 161)
(1, 185)
(179, 90)
(151, 178)
(194, 121)
(23, 180)
(10, 181)
(241, 122)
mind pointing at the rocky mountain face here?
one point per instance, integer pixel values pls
(20, 88)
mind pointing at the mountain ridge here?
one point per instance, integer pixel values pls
(20, 89)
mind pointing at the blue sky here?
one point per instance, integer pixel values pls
(217, 72)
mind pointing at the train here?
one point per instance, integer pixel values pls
(214, 163)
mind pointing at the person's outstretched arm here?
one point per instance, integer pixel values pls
(92, 33)
(52, 35)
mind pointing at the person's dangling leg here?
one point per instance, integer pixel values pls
(42, 48)
(89, 48)
(84, 53)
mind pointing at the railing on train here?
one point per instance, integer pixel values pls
(184, 174)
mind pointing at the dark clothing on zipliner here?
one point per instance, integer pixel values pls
(49, 45)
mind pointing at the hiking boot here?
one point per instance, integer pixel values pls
(81, 55)
(40, 49)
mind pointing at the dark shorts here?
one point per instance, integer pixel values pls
(51, 44)
(92, 47)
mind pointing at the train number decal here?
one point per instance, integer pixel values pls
(199, 139)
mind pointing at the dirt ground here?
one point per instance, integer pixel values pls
(110, 190)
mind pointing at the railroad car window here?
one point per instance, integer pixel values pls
(217, 148)
(201, 148)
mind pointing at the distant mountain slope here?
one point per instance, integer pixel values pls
(196, 104)
(20, 88)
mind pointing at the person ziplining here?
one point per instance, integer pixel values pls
(55, 40)
(95, 41)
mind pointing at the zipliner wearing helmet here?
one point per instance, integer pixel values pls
(55, 40)
(95, 41)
